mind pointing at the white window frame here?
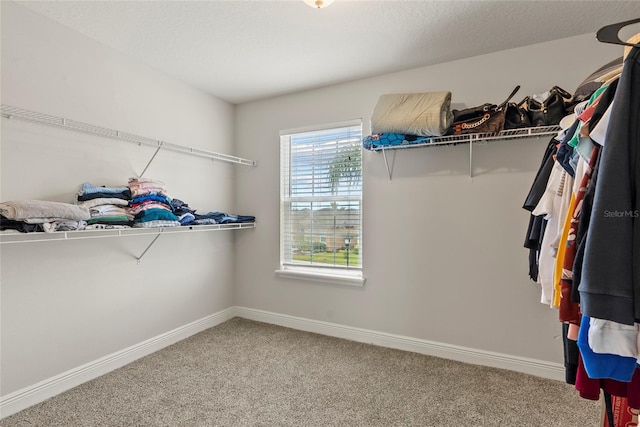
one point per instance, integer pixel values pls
(352, 276)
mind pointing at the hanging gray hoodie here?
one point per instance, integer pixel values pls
(610, 286)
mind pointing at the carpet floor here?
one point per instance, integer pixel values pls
(246, 373)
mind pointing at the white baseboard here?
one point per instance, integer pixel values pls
(36, 393)
(525, 365)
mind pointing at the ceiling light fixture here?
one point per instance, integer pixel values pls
(318, 4)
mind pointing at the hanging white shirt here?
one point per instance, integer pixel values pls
(550, 206)
(610, 337)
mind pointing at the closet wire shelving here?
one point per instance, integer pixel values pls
(32, 116)
(10, 112)
(473, 138)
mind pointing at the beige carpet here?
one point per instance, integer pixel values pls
(245, 373)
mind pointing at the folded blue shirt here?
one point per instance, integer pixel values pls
(88, 188)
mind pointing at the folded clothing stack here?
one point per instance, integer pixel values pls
(185, 214)
(189, 216)
(379, 140)
(107, 206)
(41, 215)
(221, 218)
(151, 206)
(143, 203)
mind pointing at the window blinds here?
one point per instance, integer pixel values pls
(321, 198)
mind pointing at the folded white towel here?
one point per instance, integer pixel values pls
(21, 210)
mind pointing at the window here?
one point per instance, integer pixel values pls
(321, 202)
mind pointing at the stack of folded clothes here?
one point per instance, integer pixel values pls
(381, 140)
(185, 214)
(189, 216)
(107, 205)
(221, 218)
(143, 203)
(40, 215)
(150, 205)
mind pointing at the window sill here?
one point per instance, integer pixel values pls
(314, 276)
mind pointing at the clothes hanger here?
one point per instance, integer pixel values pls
(609, 33)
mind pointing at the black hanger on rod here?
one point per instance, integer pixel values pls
(609, 33)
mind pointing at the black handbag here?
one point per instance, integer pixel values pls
(551, 110)
(485, 118)
(516, 116)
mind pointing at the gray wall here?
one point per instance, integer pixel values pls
(443, 253)
(65, 304)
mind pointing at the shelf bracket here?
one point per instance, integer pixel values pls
(148, 247)
(471, 157)
(386, 162)
(151, 159)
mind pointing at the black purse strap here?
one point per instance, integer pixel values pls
(524, 103)
(513, 92)
(563, 93)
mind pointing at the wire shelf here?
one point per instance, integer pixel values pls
(16, 237)
(472, 138)
(478, 138)
(35, 117)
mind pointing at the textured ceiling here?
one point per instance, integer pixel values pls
(247, 50)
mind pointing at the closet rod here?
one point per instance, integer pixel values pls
(32, 116)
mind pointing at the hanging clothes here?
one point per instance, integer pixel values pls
(610, 286)
(587, 258)
(537, 223)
